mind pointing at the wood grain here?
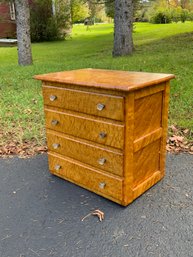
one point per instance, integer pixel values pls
(86, 176)
(130, 158)
(148, 112)
(146, 184)
(85, 102)
(165, 128)
(128, 150)
(85, 152)
(82, 127)
(146, 162)
(98, 78)
(105, 91)
(147, 139)
(149, 91)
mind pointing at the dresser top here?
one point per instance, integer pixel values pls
(107, 79)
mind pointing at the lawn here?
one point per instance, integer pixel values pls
(164, 48)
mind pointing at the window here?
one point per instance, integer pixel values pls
(12, 10)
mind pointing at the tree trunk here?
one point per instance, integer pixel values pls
(23, 32)
(123, 21)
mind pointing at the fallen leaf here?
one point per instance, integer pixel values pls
(174, 129)
(97, 213)
(185, 131)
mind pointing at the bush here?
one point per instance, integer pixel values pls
(141, 15)
(44, 25)
(179, 14)
(161, 16)
(184, 15)
(170, 15)
(190, 16)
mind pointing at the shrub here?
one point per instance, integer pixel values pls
(141, 15)
(44, 25)
(179, 14)
(190, 16)
(184, 15)
(161, 16)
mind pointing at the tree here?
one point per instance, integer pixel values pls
(110, 9)
(23, 32)
(79, 10)
(123, 23)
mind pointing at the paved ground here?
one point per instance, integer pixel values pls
(40, 215)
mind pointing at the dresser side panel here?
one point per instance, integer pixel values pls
(128, 149)
(165, 105)
(148, 137)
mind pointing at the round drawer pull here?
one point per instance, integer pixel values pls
(54, 122)
(100, 107)
(57, 167)
(102, 161)
(53, 98)
(102, 185)
(102, 135)
(56, 146)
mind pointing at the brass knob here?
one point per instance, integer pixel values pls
(55, 145)
(57, 167)
(54, 122)
(102, 161)
(53, 98)
(102, 185)
(100, 107)
(102, 135)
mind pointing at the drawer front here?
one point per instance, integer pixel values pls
(105, 133)
(85, 176)
(99, 157)
(107, 106)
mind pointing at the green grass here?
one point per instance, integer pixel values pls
(164, 48)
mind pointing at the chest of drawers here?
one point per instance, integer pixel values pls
(106, 130)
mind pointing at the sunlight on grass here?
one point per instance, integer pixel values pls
(163, 48)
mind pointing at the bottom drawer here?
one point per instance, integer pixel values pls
(83, 175)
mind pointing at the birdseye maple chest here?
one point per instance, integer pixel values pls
(106, 130)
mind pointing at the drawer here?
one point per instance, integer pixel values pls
(106, 133)
(107, 106)
(85, 176)
(101, 158)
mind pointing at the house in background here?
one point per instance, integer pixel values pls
(7, 20)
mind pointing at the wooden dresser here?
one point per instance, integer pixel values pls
(106, 130)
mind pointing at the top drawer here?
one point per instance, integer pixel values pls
(102, 105)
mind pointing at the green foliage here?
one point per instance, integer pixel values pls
(87, 11)
(179, 14)
(190, 16)
(161, 16)
(141, 15)
(110, 9)
(44, 25)
(79, 10)
(164, 15)
(162, 12)
(184, 15)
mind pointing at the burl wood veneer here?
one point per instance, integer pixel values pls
(106, 130)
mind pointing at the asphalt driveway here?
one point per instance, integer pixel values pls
(40, 215)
